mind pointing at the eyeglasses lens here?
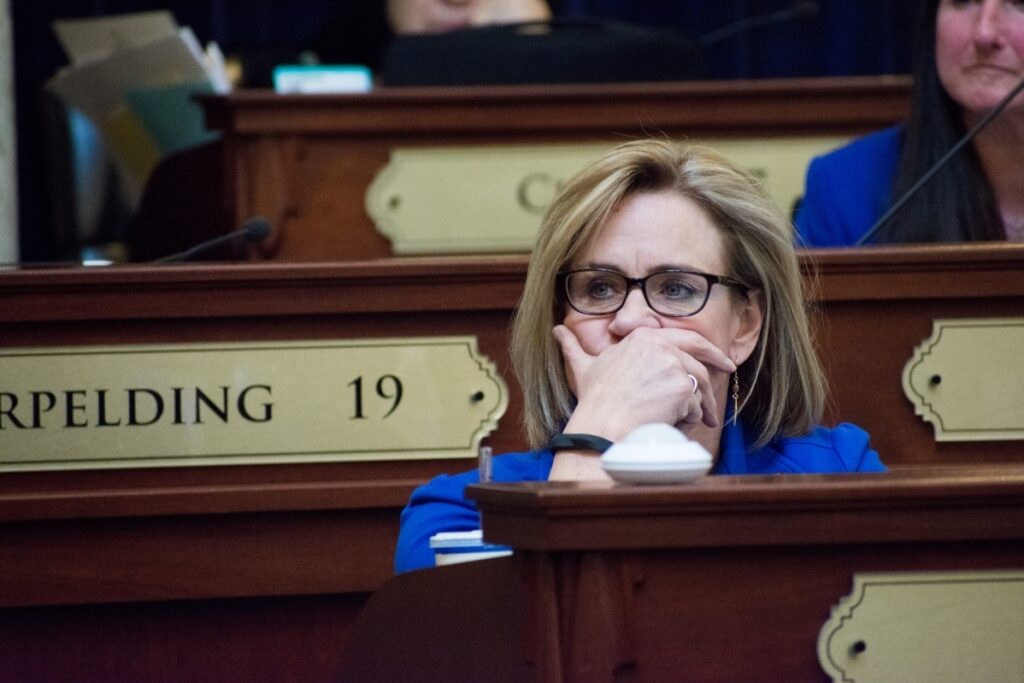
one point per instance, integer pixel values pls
(597, 292)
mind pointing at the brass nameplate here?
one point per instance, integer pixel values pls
(927, 626)
(488, 199)
(968, 381)
(246, 403)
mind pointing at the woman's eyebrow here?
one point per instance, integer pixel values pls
(663, 267)
(602, 265)
(672, 266)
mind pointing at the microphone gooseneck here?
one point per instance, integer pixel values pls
(909, 194)
(255, 229)
(802, 9)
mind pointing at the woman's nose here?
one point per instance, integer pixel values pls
(634, 313)
(988, 23)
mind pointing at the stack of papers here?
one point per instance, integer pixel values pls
(134, 76)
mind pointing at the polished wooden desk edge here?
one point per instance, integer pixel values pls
(406, 284)
(424, 283)
(571, 91)
(891, 257)
(442, 266)
(823, 491)
(84, 501)
(930, 505)
(854, 103)
(898, 257)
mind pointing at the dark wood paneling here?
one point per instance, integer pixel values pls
(202, 641)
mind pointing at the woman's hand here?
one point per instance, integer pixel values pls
(643, 378)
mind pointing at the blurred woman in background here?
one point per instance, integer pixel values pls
(969, 55)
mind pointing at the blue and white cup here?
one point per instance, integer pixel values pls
(452, 547)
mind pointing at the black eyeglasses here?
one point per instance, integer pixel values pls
(673, 293)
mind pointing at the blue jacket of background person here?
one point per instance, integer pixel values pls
(848, 189)
(440, 504)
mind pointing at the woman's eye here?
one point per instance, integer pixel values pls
(677, 289)
(600, 289)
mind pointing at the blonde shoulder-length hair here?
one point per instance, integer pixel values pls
(783, 385)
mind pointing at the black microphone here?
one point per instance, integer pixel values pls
(255, 230)
(909, 194)
(802, 9)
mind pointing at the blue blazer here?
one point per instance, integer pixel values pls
(440, 505)
(848, 189)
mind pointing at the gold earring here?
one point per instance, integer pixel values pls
(735, 396)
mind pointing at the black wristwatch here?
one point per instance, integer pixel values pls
(583, 442)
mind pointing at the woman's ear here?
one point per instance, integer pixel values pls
(747, 326)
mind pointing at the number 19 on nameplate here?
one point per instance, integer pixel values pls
(389, 388)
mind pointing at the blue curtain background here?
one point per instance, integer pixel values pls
(847, 37)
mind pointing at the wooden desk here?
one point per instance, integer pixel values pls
(730, 579)
(877, 305)
(218, 573)
(305, 161)
(207, 573)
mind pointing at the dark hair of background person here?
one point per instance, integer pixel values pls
(958, 203)
(359, 33)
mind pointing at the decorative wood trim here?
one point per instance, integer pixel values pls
(426, 284)
(247, 290)
(769, 106)
(948, 504)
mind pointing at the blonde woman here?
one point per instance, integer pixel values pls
(663, 288)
